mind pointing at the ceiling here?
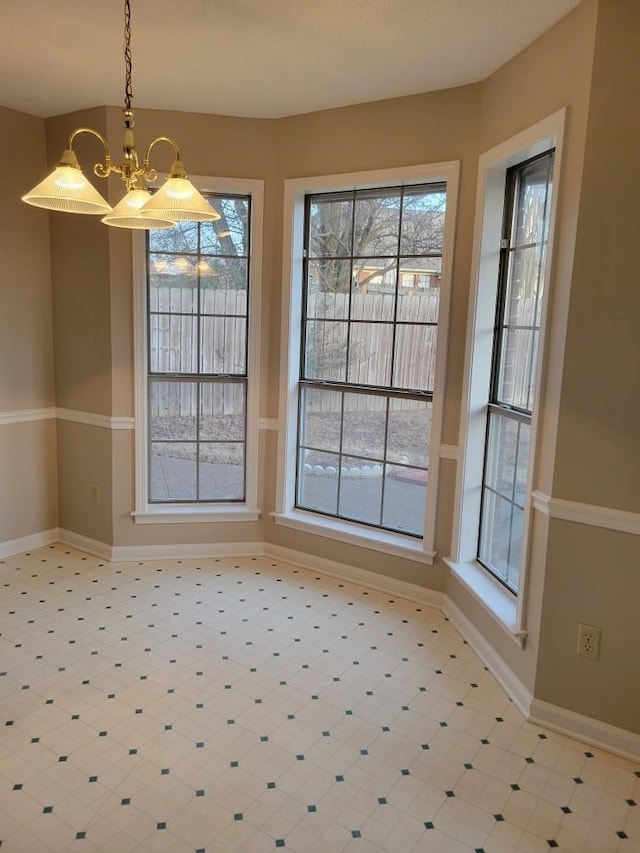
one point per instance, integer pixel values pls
(256, 58)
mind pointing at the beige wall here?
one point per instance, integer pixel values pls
(28, 490)
(581, 574)
(592, 574)
(82, 321)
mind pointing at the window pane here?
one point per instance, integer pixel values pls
(223, 345)
(221, 471)
(368, 301)
(415, 357)
(524, 287)
(320, 419)
(495, 533)
(422, 221)
(534, 202)
(173, 472)
(222, 301)
(224, 284)
(515, 548)
(326, 350)
(377, 276)
(172, 411)
(229, 234)
(330, 227)
(502, 449)
(360, 490)
(222, 411)
(419, 276)
(377, 222)
(409, 431)
(370, 354)
(328, 289)
(173, 343)
(182, 238)
(364, 425)
(172, 285)
(516, 377)
(318, 481)
(405, 494)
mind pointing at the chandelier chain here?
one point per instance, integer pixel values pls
(128, 92)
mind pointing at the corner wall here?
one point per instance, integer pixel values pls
(28, 486)
(593, 572)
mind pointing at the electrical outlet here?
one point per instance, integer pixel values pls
(95, 494)
(589, 641)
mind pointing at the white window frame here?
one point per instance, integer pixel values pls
(168, 513)
(507, 609)
(419, 550)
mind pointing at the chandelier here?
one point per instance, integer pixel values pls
(67, 190)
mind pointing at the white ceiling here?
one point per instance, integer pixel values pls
(258, 58)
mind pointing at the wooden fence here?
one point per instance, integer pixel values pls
(366, 356)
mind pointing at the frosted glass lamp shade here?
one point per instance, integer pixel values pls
(179, 201)
(66, 189)
(126, 214)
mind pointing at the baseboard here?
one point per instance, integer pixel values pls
(590, 731)
(130, 553)
(506, 678)
(84, 543)
(363, 577)
(28, 543)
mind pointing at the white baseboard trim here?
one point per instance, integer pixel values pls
(85, 543)
(174, 551)
(362, 577)
(590, 731)
(505, 677)
(28, 543)
(131, 553)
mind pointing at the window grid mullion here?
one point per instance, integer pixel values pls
(340, 451)
(350, 301)
(385, 448)
(198, 401)
(394, 332)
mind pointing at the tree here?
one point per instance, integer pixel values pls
(355, 238)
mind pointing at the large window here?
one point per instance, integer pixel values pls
(523, 257)
(197, 346)
(370, 306)
(513, 373)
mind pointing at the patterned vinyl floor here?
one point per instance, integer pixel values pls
(247, 705)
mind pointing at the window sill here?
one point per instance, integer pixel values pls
(353, 534)
(494, 598)
(193, 514)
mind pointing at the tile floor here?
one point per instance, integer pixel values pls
(248, 705)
